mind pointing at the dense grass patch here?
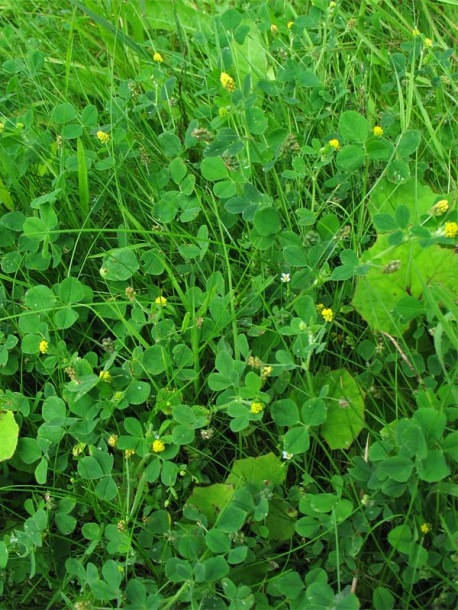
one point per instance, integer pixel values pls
(228, 305)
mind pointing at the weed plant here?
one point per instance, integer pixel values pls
(228, 304)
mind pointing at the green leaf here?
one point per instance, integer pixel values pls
(71, 132)
(64, 113)
(256, 470)
(398, 468)
(212, 499)
(400, 538)
(345, 418)
(434, 467)
(398, 171)
(408, 143)
(170, 144)
(267, 222)
(118, 265)
(155, 360)
(215, 568)
(314, 412)
(40, 298)
(383, 599)
(350, 157)
(152, 262)
(409, 308)
(177, 170)
(213, 168)
(71, 290)
(296, 440)
(217, 541)
(284, 412)
(256, 121)
(353, 126)
(9, 434)
(89, 116)
(308, 79)
(89, 468)
(231, 520)
(28, 450)
(137, 392)
(3, 555)
(178, 570)
(65, 318)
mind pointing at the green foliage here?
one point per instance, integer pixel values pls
(228, 320)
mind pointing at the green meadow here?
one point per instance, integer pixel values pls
(228, 304)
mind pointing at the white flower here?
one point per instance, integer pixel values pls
(286, 456)
(285, 278)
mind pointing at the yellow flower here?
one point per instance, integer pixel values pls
(266, 371)
(43, 346)
(129, 453)
(223, 111)
(332, 5)
(227, 82)
(320, 307)
(2, 127)
(327, 314)
(428, 42)
(103, 137)
(158, 57)
(256, 407)
(161, 301)
(113, 440)
(378, 131)
(158, 446)
(425, 528)
(415, 32)
(440, 207)
(105, 376)
(334, 143)
(290, 24)
(451, 229)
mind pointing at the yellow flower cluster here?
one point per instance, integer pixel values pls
(440, 207)
(158, 446)
(327, 314)
(256, 407)
(334, 143)
(451, 229)
(103, 137)
(425, 528)
(113, 440)
(158, 57)
(43, 346)
(428, 42)
(378, 131)
(105, 376)
(161, 301)
(227, 82)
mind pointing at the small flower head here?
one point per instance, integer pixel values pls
(103, 137)
(286, 455)
(43, 346)
(105, 376)
(224, 111)
(227, 82)
(290, 24)
(158, 446)
(392, 267)
(451, 229)
(425, 528)
(440, 207)
(334, 143)
(266, 371)
(113, 440)
(157, 57)
(416, 32)
(428, 42)
(285, 278)
(332, 5)
(274, 29)
(256, 407)
(129, 453)
(161, 301)
(327, 314)
(378, 131)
